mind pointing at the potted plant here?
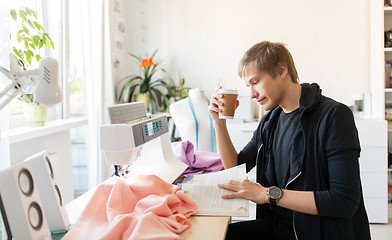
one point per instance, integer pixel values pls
(34, 113)
(27, 42)
(146, 86)
(179, 92)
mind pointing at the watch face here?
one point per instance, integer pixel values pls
(274, 192)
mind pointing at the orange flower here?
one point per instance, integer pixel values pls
(147, 62)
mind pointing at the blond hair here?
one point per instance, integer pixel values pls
(266, 56)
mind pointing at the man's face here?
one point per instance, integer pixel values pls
(267, 91)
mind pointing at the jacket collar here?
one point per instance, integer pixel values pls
(310, 96)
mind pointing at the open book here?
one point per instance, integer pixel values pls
(203, 189)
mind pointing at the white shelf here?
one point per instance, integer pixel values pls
(388, 10)
(27, 133)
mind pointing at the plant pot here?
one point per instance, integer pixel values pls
(35, 114)
(142, 97)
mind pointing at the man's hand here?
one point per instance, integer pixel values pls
(214, 106)
(245, 189)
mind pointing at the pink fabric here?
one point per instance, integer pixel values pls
(149, 208)
(198, 161)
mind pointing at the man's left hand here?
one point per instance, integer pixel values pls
(245, 189)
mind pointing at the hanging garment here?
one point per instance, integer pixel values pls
(198, 161)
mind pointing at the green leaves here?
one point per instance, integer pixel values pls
(38, 57)
(36, 40)
(29, 54)
(22, 14)
(26, 30)
(31, 36)
(178, 92)
(29, 11)
(13, 14)
(136, 57)
(127, 90)
(41, 43)
(30, 23)
(38, 26)
(18, 53)
(182, 81)
(26, 39)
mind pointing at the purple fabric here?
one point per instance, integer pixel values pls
(198, 161)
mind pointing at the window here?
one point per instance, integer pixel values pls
(16, 107)
(77, 101)
(48, 17)
(76, 57)
(65, 32)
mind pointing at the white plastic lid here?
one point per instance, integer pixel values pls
(228, 91)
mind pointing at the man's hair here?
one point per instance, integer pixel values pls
(266, 56)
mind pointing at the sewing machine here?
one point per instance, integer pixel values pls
(139, 144)
(143, 143)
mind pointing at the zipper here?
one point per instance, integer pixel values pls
(293, 179)
(258, 151)
(257, 157)
(295, 232)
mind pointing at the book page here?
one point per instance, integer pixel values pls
(204, 190)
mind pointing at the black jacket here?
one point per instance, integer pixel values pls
(324, 159)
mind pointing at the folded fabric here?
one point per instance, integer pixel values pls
(198, 162)
(146, 208)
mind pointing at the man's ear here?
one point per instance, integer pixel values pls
(281, 70)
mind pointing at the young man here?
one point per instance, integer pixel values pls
(305, 150)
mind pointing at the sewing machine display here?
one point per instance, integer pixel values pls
(131, 136)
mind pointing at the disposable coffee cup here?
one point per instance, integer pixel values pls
(229, 100)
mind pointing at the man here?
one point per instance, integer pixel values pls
(305, 150)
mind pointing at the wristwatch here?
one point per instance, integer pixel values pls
(274, 194)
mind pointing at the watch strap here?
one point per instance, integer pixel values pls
(274, 201)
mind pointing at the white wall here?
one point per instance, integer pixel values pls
(204, 39)
(146, 29)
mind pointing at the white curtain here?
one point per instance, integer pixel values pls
(98, 87)
(4, 81)
(5, 161)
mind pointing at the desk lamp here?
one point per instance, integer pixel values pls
(42, 81)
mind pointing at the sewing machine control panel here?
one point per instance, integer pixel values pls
(152, 128)
(149, 129)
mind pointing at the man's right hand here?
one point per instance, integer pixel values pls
(225, 146)
(214, 107)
